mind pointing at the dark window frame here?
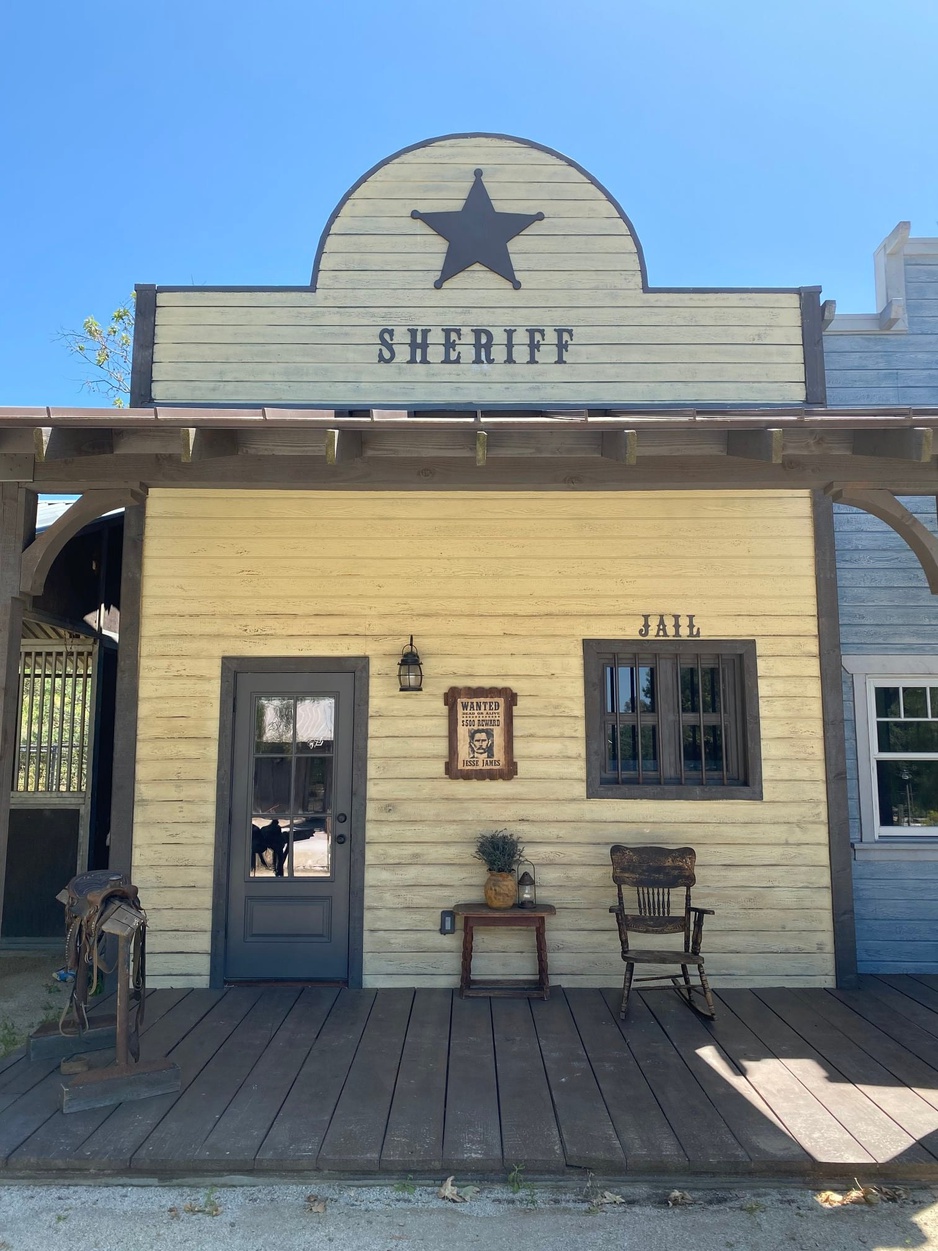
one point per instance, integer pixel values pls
(596, 653)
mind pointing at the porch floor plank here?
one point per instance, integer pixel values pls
(112, 1145)
(916, 988)
(586, 1129)
(748, 1117)
(878, 1136)
(295, 1137)
(697, 1124)
(356, 1132)
(413, 1140)
(472, 1136)
(644, 1132)
(904, 1065)
(530, 1137)
(281, 1080)
(242, 1127)
(169, 1017)
(197, 1110)
(910, 1113)
(905, 1005)
(880, 1016)
(807, 1120)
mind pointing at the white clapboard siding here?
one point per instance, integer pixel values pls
(270, 573)
(579, 268)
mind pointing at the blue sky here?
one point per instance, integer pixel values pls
(751, 143)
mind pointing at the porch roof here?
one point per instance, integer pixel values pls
(804, 446)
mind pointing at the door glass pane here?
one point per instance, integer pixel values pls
(311, 847)
(313, 784)
(273, 724)
(271, 785)
(933, 700)
(315, 725)
(269, 848)
(908, 792)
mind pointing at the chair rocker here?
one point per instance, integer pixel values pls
(653, 872)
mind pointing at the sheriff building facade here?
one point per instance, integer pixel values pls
(481, 428)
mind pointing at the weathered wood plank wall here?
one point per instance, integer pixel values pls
(579, 268)
(886, 608)
(497, 591)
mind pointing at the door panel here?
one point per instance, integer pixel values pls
(290, 834)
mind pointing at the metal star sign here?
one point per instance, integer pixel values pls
(477, 234)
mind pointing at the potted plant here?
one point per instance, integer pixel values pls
(499, 852)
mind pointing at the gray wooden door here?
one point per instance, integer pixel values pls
(290, 833)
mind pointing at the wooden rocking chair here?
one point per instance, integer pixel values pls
(653, 872)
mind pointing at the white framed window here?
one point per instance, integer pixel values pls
(889, 735)
(903, 737)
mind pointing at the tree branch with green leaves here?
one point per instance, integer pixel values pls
(106, 351)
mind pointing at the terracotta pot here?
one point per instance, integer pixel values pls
(501, 890)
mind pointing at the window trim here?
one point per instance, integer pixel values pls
(751, 741)
(885, 834)
(864, 667)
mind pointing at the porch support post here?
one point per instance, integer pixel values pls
(127, 694)
(17, 519)
(835, 751)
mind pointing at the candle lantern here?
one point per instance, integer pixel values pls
(409, 669)
(527, 885)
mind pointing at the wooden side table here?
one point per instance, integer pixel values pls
(475, 914)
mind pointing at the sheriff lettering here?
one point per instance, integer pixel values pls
(474, 345)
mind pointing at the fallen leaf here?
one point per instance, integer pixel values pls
(679, 1199)
(456, 1194)
(174, 1214)
(870, 1195)
(609, 1196)
(315, 1204)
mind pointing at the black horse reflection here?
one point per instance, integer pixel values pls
(269, 838)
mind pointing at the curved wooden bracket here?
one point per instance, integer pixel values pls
(885, 506)
(38, 557)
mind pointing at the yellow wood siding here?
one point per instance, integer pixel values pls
(579, 268)
(331, 574)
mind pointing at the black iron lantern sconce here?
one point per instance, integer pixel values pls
(527, 885)
(409, 669)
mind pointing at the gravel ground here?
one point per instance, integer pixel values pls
(371, 1218)
(28, 995)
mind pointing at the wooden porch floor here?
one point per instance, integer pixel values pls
(785, 1082)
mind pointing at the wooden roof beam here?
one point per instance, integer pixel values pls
(68, 442)
(915, 443)
(197, 443)
(765, 445)
(620, 445)
(343, 445)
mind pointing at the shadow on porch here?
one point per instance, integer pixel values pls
(804, 1083)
